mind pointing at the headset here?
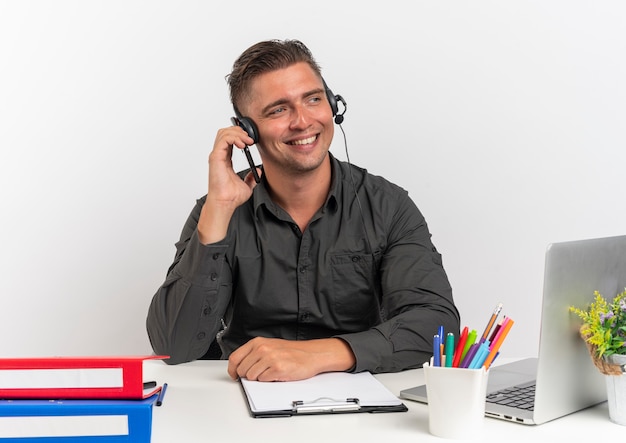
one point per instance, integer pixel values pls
(248, 125)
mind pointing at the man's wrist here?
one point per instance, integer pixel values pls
(333, 355)
(213, 223)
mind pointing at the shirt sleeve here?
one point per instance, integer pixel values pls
(416, 298)
(185, 313)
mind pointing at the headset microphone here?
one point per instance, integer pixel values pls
(338, 116)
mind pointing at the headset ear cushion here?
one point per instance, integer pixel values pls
(332, 101)
(248, 125)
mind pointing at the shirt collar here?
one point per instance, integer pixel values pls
(261, 196)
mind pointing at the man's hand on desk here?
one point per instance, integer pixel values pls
(273, 359)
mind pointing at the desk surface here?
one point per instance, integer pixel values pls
(202, 404)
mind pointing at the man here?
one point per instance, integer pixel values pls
(320, 267)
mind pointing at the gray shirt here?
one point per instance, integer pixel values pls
(369, 276)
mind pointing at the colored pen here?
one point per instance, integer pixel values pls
(441, 343)
(492, 320)
(505, 320)
(480, 356)
(449, 349)
(495, 331)
(469, 356)
(494, 359)
(496, 346)
(459, 348)
(159, 401)
(471, 339)
(436, 350)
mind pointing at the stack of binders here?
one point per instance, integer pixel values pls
(78, 399)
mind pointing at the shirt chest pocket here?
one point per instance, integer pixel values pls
(354, 296)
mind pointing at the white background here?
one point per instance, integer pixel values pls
(505, 120)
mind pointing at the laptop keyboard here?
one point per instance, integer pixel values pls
(522, 397)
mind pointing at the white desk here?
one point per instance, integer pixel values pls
(202, 404)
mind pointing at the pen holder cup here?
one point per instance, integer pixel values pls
(456, 401)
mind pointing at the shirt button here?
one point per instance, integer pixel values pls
(213, 276)
(201, 336)
(206, 311)
(356, 258)
(216, 256)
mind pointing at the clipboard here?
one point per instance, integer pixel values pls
(328, 393)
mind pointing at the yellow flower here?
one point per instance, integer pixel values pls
(604, 324)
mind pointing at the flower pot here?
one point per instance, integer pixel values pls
(616, 391)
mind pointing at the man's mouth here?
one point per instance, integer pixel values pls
(304, 141)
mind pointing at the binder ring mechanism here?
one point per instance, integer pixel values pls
(326, 404)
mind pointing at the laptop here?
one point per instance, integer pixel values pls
(563, 378)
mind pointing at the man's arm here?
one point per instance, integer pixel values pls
(416, 298)
(185, 313)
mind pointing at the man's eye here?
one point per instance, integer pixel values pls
(277, 111)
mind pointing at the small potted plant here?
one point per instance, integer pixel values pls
(604, 332)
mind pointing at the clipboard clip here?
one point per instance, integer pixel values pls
(325, 405)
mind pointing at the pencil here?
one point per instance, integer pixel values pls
(492, 320)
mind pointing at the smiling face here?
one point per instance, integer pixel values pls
(293, 117)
